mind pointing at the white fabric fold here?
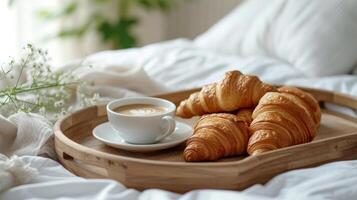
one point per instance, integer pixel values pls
(33, 133)
(331, 181)
(22, 134)
(8, 132)
(118, 72)
(13, 171)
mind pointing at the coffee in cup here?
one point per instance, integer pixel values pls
(142, 120)
(140, 109)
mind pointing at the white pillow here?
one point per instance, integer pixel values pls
(318, 37)
(226, 36)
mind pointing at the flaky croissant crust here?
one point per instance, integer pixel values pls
(216, 136)
(284, 118)
(234, 91)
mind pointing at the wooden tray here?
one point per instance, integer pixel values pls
(85, 156)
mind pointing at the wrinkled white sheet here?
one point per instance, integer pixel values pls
(171, 66)
(179, 64)
(331, 181)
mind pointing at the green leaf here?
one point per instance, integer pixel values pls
(67, 33)
(147, 4)
(101, 1)
(165, 4)
(11, 2)
(155, 4)
(105, 29)
(69, 9)
(75, 32)
(44, 14)
(119, 33)
(65, 11)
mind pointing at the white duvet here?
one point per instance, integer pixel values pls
(159, 68)
(180, 64)
(252, 39)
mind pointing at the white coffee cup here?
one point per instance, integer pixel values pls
(145, 129)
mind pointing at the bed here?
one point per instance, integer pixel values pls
(274, 47)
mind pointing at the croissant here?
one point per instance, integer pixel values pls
(245, 115)
(284, 118)
(216, 136)
(231, 93)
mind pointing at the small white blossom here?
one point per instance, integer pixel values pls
(48, 90)
(59, 104)
(42, 111)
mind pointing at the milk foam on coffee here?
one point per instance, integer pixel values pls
(140, 109)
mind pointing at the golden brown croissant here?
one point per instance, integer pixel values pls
(216, 136)
(233, 92)
(282, 119)
(245, 115)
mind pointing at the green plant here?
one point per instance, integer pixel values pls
(116, 32)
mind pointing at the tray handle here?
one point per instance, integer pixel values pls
(84, 163)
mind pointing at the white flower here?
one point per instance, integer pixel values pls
(42, 111)
(59, 104)
(48, 90)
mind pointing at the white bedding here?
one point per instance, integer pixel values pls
(180, 64)
(177, 65)
(280, 41)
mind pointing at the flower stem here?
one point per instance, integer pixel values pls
(21, 71)
(19, 90)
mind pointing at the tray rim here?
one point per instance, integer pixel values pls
(327, 96)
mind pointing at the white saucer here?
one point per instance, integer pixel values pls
(105, 133)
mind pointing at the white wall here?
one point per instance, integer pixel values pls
(193, 17)
(188, 19)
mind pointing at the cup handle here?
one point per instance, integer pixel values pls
(171, 127)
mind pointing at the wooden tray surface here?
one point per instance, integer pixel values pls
(85, 156)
